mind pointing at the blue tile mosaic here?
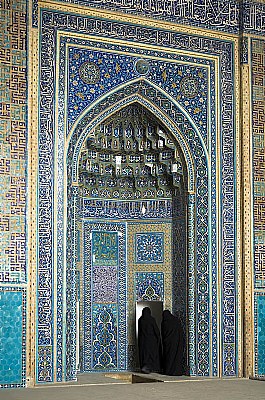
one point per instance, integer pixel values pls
(187, 84)
(149, 248)
(261, 335)
(149, 286)
(13, 136)
(111, 209)
(105, 284)
(258, 111)
(92, 75)
(258, 107)
(44, 363)
(104, 248)
(105, 337)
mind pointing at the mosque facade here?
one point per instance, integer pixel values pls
(132, 170)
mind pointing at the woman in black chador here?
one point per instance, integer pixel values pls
(149, 342)
(172, 343)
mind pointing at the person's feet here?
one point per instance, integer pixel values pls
(145, 370)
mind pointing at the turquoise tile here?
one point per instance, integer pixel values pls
(11, 337)
(261, 334)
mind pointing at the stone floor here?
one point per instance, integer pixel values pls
(128, 386)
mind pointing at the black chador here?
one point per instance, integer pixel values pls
(149, 342)
(172, 343)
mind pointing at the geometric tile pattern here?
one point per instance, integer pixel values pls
(258, 66)
(180, 270)
(258, 120)
(201, 234)
(149, 248)
(179, 277)
(67, 306)
(201, 249)
(13, 150)
(13, 115)
(261, 334)
(147, 282)
(13, 337)
(180, 286)
(44, 362)
(13, 142)
(228, 220)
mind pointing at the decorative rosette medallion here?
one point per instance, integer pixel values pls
(189, 86)
(142, 66)
(89, 72)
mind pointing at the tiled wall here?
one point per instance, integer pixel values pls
(12, 192)
(258, 90)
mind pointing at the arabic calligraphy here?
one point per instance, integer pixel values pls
(230, 16)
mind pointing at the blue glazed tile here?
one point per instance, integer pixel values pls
(149, 286)
(105, 336)
(11, 337)
(149, 247)
(105, 248)
(261, 334)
